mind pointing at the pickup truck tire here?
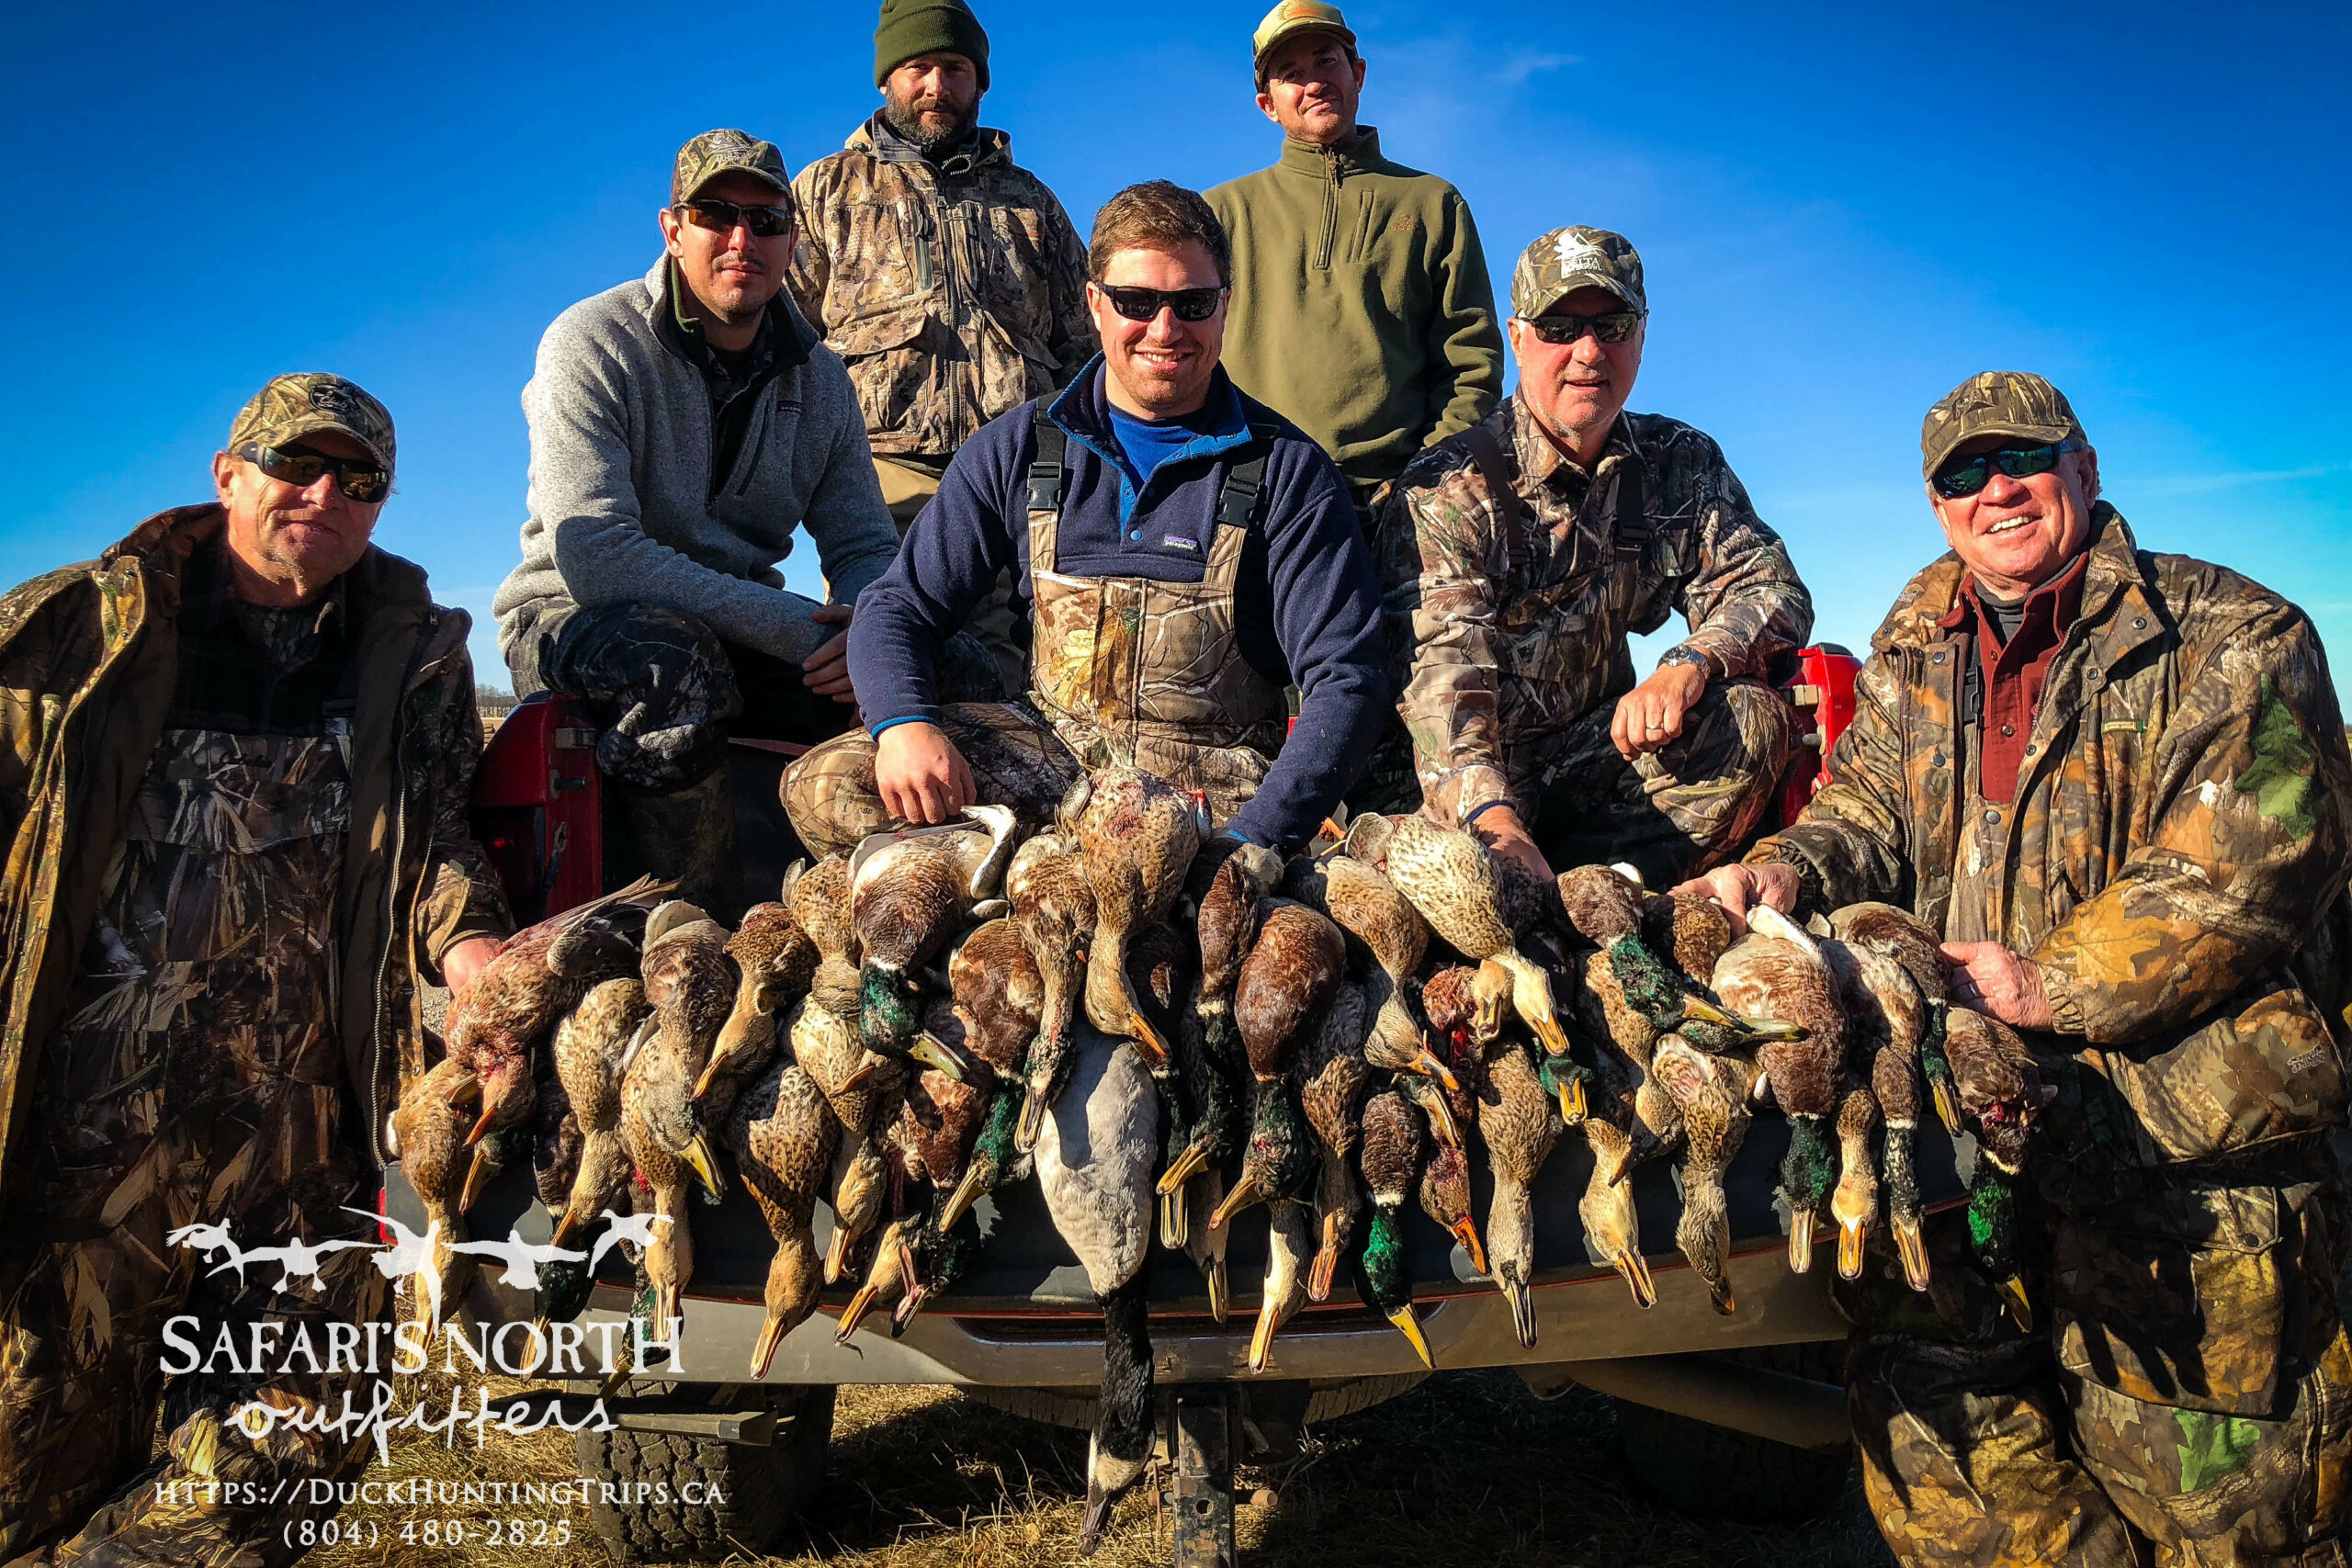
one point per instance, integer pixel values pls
(764, 1489)
(1712, 1473)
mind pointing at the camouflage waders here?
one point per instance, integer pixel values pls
(1122, 669)
(198, 1081)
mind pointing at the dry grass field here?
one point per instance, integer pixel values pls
(1466, 1469)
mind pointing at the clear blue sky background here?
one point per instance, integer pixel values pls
(1844, 210)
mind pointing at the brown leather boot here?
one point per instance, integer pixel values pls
(689, 835)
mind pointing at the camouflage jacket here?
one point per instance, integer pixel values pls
(1504, 629)
(954, 293)
(87, 663)
(2174, 861)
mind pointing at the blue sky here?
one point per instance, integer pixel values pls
(1843, 211)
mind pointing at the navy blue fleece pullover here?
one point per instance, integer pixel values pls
(1307, 602)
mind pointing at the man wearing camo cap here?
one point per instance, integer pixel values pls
(2115, 782)
(683, 426)
(235, 756)
(1517, 558)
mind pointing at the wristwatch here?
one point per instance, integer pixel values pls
(1683, 653)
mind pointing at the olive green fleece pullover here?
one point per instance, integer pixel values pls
(1362, 306)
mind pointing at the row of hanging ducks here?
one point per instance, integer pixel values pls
(1338, 1035)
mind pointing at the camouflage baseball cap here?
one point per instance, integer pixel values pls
(1994, 402)
(1292, 17)
(291, 407)
(1576, 257)
(716, 152)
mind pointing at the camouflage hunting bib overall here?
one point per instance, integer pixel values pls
(1129, 670)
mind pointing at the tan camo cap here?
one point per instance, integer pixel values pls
(291, 407)
(1289, 19)
(1994, 402)
(1575, 257)
(716, 152)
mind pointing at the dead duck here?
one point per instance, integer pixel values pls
(1519, 1123)
(1445, 1198)
(1284, 991)
(1383, 927)
(818, 897)
(908, 894)
(783, 1136)
(1611, 1225)
(536, 976)
(854, 1083)
(1392, 1164)
(892, 1269)
(2000, 1092)
(1053, 907)
(1605, 909)
(1713, 1092)
(426, 1133)
(1098, 1154)
(1450, 877)
(940, 1117)
(1160, 976)
(1854, 1202)
(590, 1051)
(1621, 1041)
(1690, 932)
(1290, 1253)
(776, 961)
(1136, 836)
(998, 995)
(1778, 971)
(1911, 942)
(1229, 885)
(1887, 1018)
(1332, 1079)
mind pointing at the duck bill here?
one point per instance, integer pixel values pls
(1719, 1297)
(770, 1336)
(1098, 1514)
(1189, 1163)
(1913, 1247)
(1947, 1100)
(967, 1192)
(1800, 1241)
(1148, 1043)
(1427, 1062)
(1033, 1118)
(1522, 1311)
(1635, 1269)
(1220, 1286)
(1261, 1339)
(1320, 1274)
(1466, 1231)
(1409, 1327)
(1248, 1190)
(2013, 1297)
(1850, 1236)
(855, 1313)
(1175, 1219)
(1441, 1121)
(746, 1033)
(861, 1075)
(705, 1165)
(477, 1177)
(573, 1218)
(837, 1255)
(932, 1052)
(1573, 1109)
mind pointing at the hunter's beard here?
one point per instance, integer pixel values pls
(920, 120)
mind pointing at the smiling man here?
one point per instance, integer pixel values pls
(1518, 555)
(235, 756)
(1186, 553)
(2116, 783)
(1362, 306)
(683, 426)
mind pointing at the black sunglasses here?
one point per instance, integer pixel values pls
(1142, 304)
(1613, 326)
(1966, 475)
(361, 479)
(722, 216)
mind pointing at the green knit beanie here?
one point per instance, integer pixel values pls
(910, 27)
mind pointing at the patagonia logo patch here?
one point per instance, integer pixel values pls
(1178, 542)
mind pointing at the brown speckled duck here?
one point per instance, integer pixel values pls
(1053, 907)
(1136, 836)
(818, 897)
(1286, 989)
(1610, 1222)
(1382, 926)
(1519, 1124)
(827, 1047)
(1332, 1079)
(1451, 879)
(1778, 971)
(1887, 1018)
(1712, 1092)
(1445, 1198)
(427, 1134)
(591, 1049)
(1910, 941)
(1854, 1202)
(783, 1136)
(690, 984)
(777, 961)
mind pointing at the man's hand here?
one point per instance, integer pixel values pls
(1499, 828)
(920, 775)
(1651, 714)
(464, 960)
(1997, 982)
(826, 672)
(1739, 888)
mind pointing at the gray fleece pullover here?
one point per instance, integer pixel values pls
(624, 507)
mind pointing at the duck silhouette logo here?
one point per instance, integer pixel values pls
(299, 1263)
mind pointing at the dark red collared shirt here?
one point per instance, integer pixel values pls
(2013, 673)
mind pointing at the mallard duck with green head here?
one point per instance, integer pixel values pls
(908, 894)
(1284, 991)
(1778, 971)
(1913, 943)
(1392, 1164)
(1887, 1018)
(2002, 1095)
